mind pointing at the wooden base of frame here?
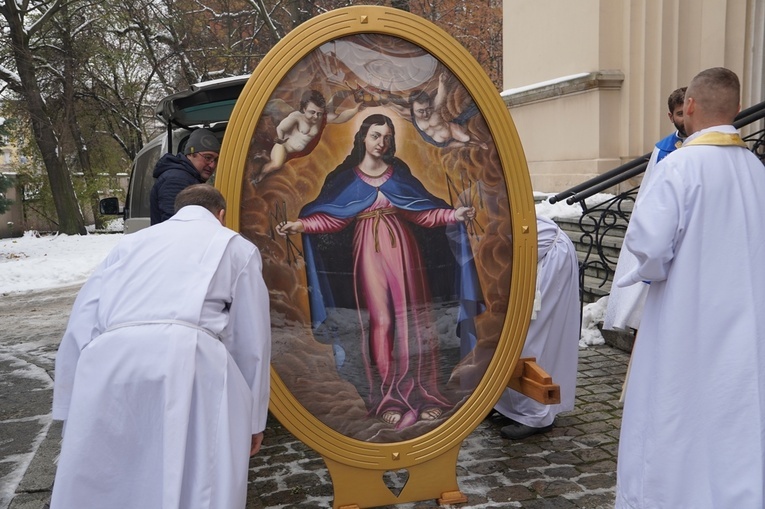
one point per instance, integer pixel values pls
(531, 380)
(435, 479)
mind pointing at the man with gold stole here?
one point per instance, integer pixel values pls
(694, 416)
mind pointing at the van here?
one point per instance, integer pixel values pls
(207, 104)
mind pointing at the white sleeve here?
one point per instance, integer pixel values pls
(79, 332)
(655, 227)
(649, 171)
(249, 341)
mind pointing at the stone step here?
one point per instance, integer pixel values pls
(597, 279)
(609, 257)
(614, 234)
(595, 288)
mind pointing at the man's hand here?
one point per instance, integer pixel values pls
(257, 440)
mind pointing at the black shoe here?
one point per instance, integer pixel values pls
(497, 419)
(520, 431)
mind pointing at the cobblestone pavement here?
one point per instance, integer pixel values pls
(573, 466)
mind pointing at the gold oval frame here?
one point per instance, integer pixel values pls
(276, 64)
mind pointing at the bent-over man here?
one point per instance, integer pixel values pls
(162, 376)
(553, 335)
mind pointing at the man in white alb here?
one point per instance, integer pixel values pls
(162, 376)
(553, 336)
(694, 416)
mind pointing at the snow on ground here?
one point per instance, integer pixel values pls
(37, 262)
(592, 315)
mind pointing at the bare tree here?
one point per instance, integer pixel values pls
(23, 26)
(475, 25)
(89, 73)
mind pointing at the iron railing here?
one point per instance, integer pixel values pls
(604, 224)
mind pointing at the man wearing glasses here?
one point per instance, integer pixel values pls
(174, 173)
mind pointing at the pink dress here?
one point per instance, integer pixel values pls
(400, 347)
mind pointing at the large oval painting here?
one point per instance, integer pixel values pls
(378, 171)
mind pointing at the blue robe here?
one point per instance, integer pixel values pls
(667, 145)
(344, 195)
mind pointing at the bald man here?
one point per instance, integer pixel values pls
(694, 415)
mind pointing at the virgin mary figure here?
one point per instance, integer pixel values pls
(404, 242)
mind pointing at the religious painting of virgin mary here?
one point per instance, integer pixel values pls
(374, 191)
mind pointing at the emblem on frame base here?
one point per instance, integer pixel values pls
(354, 67)
(356, 488)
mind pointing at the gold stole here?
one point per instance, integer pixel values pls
(718, 138)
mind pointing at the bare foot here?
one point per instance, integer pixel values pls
(431, 414)
(263, 173)
(391, 416)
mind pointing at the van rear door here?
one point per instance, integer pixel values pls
(203, 105)
(208, 104)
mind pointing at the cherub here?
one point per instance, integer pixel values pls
(298, 129)
(425, 114)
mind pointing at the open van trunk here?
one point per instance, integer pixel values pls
(208, 104)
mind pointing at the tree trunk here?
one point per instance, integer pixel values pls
(70, 220)
(70, 109)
